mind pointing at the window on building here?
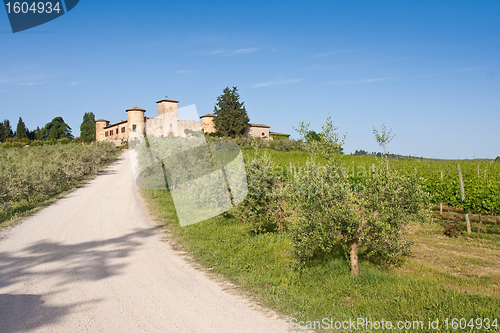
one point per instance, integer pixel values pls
(263, 134)
(123, 129)
(106, 133)
(134, 128)
(117, 131)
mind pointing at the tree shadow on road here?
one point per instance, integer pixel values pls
(87, 261)
(24, 312)
(61, 265)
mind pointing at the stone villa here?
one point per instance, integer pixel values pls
(165, 125)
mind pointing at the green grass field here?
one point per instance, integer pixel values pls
(443, 277)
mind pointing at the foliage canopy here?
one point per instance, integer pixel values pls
(57, 129)
(384, 137)
(21, 130)
(231, 117)
(87, 128)
(5, 131)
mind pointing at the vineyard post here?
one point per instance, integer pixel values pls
(441, 204)
(462, 192)
(479, 226)
(291, 172)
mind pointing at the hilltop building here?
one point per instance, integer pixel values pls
(165, 125)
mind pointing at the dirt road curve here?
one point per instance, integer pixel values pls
(93, 262)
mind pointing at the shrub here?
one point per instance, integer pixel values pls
(266, 206)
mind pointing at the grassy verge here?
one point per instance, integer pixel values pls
(426, 286)
(22, 209)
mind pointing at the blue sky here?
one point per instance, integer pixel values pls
(429, 69)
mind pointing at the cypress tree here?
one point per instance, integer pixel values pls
(231, 117)
(87, 128)
(21, 131)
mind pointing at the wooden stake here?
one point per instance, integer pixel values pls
(291, 173)
(441, 204)
(479, 226)
(462, 192)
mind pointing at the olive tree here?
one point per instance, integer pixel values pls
(372, 216)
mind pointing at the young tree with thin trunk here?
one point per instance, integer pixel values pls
(326, 143)
(384, 137)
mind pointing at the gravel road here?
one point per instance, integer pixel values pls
(94, 262)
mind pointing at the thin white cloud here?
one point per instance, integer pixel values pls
(25, 80)
(31, 83)
(350, 82)
(245, 51)
(468, 69)
(234, 52)
(461, 70)
(276, 83)
(321, 55)
(184, 71)
(214, 52)
(75, 83)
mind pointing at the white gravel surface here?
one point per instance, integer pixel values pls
(94, 262)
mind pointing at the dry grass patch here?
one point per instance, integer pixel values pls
(470, 264)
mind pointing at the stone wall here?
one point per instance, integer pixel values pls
(116, 132)
(192, 125)
(258, 131)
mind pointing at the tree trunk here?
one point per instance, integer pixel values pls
(354, 258)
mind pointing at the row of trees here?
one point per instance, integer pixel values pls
(31, 175)
(54, 130)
